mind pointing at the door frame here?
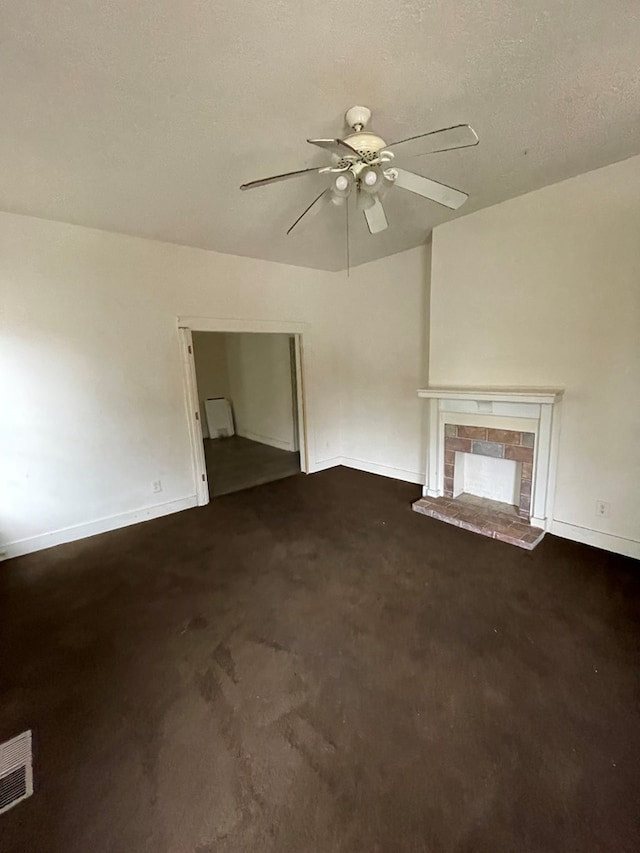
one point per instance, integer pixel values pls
(188, 325)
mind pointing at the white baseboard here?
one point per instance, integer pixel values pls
(314, 467)
(91, 528)
(606, 541)
(266, 439)
(384, 470)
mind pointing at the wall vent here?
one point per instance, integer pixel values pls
(16, 771)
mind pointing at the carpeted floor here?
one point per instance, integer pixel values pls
(237, 463)
(311, 667)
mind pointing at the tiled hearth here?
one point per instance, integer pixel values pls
(490, 518)
(481, 515)
(498, 443)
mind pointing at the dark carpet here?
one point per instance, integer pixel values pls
(311, 667)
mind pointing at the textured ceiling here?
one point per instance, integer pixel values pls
(144, 117)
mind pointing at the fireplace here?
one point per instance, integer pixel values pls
(491, 460)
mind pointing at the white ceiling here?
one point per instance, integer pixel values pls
(144, 117)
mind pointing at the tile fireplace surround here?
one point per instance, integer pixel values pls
(520, 424)
(515, 445)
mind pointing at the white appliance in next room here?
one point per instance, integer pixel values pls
(219, 417)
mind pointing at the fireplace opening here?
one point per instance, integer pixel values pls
(487, 477)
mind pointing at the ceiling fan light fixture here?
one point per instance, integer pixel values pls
(341, 186)
(371, 179)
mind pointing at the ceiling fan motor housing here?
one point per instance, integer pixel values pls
(368, 146)
(366, 143)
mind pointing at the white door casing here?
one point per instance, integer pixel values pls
(187, 325)
(193, 416)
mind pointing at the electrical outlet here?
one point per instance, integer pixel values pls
(156, 486)
(602, 509)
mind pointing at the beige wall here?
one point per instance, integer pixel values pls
(93, 399)
(541, 290)
(210, 355)
(385, 321)
(260, 388)
(545, 290)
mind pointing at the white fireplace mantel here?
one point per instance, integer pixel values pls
(528, 409)
(545, 396)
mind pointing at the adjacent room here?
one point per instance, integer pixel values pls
(320, 366)
(248, 408)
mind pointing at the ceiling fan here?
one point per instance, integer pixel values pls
(362, 164)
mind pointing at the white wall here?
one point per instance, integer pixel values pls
(93, 407)
(260, 387)
(385, 328)
(210, 356)
(545, 290)
(541, 290)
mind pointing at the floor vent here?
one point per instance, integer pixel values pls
(16, 772)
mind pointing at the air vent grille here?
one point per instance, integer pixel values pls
(16, 773)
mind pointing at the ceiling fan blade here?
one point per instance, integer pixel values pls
(275, 178)
(316, 205)
(376, 217)
(447, 139)
(335, 146)
(434, 191)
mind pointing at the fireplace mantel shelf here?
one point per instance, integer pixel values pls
(547, 396)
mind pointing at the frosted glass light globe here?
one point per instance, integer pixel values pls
(341, 183)
(370, 178)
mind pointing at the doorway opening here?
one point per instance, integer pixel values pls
(246, 393)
